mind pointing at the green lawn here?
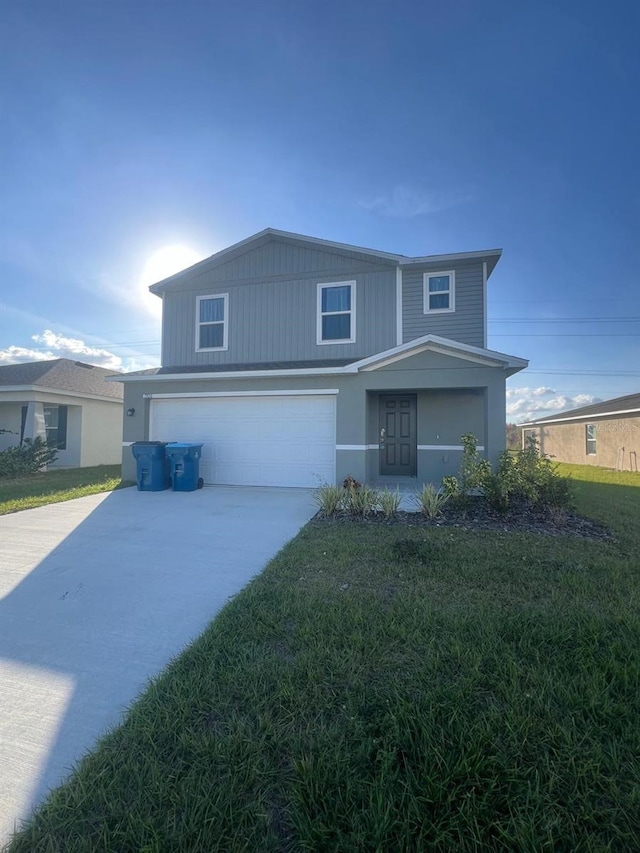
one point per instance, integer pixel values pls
(468, 691)
(50, 487)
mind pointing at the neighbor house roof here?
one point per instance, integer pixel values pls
(60, 374)
(630, 404)
(491, 256)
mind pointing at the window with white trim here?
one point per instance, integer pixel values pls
(55, 424)
(211, 322)
(590, 438)
(336, 313)
(439, 292)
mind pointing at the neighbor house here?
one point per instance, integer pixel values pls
(604, 434)
(66, 402)
(296, 360)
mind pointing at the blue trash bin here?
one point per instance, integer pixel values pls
(152, 469)
(184, 466)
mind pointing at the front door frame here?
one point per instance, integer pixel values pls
(410, 469)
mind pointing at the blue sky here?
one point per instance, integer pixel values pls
(417, 128)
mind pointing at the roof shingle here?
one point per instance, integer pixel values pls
(62, 374)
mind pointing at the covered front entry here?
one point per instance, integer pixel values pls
(398, 436)
(253, 439)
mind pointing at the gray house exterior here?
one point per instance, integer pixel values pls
(296, 360)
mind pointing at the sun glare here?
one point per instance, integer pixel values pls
(162, 264)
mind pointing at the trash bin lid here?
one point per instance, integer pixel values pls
(183, 444)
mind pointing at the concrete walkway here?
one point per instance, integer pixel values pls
(97, 595)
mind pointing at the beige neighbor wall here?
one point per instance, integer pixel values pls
(568, 442)
(101, 433)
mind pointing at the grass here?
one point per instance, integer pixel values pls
(389, 688)
(53, 486)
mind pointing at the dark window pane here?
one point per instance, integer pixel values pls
(336, 299)
(438, 283)
(212, 336)
(438, 300)
(211, 310)
(336, 327)
(62, 428)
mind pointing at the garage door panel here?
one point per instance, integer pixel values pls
(271, 441)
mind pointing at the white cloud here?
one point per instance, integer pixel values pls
(524, 404)
(59, 346)
(405, 202)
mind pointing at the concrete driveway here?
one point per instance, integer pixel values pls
(97, 595)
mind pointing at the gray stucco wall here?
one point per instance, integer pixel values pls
(461, 398)
(465, 324)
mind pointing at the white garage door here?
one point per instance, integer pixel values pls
(254, 441)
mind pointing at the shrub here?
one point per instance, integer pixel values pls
(361, 501)
(451, 486)
(328, 498)
(526, 476)
(430, 500)
(28, 458)
(473, 468)
(389, 502)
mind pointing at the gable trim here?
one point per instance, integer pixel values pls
(224, 255)
(445, 346)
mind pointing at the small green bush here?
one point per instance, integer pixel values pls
(529, 477)
(451, 486)
(328, 498)
(430, 500)
(27, 458)
(360, 502)
(389, 502)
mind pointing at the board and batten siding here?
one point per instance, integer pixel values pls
(465, 324)
(274, 318)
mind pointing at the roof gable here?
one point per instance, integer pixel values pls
(273, 252)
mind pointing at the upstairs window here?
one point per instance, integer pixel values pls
(211, 322)
(55, 423)
(439, 292)
(336, 313)
(590, 436)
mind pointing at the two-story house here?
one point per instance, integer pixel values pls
(296, 360)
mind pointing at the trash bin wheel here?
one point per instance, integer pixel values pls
(200, 482)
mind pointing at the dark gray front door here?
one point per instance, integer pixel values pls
(398, 435)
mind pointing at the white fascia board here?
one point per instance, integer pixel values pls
(56, 392)
(456, 256)
(307, 392)
(238, 374)
(443, 345)
(587, 417)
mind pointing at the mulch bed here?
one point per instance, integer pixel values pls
(478, 515)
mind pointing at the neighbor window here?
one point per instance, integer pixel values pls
(439, 293)
(336, 313)
(211, 322)
(55, 423)
(590, 434)
(527, 436)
